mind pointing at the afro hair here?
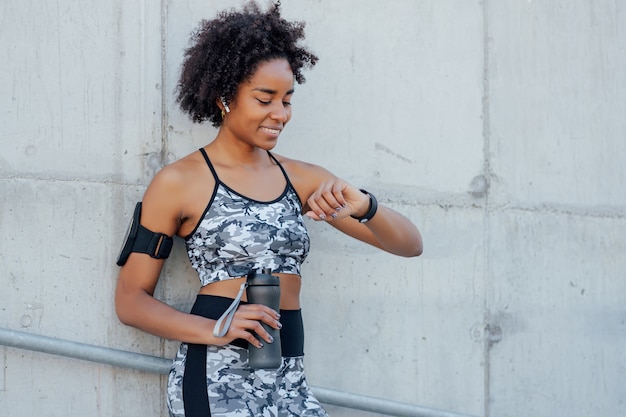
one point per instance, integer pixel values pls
(227, 50)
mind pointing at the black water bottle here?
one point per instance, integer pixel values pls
(264, 288)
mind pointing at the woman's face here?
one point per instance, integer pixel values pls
(261, 108)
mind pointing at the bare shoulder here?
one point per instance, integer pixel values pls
(172, 191)
(300, 171)
(172, 176)
(304, 176)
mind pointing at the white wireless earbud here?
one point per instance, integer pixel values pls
(226, 108)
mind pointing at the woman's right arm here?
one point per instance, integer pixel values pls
(134, 301)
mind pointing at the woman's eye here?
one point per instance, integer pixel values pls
(267, 102)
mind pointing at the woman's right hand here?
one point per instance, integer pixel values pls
(247, 322)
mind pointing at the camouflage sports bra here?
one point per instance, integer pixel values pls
(238, 234)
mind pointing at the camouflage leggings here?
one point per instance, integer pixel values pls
(217, 380)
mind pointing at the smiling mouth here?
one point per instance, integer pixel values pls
(270, 131)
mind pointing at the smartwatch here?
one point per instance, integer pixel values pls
(142, 240)
(373, 207)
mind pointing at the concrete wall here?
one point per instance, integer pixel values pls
(497, 126)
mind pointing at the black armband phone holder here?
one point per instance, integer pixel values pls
(139, 239)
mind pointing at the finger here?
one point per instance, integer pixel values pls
(312, 215)
(316, 212)
(269, 317)
(255, 334)
(272, 319)
(338, 191)
(258, 312)
(248, 336)
(332, 198)
(324, 205)
(261, 331)
(247, 330)
(338, 203)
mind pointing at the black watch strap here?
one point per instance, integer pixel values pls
(373, 207)
(157, 245)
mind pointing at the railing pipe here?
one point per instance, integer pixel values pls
(76, 350)
(378, 405)
(147, 363)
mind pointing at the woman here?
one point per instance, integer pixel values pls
(240, 208)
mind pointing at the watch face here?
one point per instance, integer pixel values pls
(129, 237)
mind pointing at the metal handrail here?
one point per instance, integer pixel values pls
(154, 364)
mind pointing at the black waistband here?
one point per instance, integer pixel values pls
(291, 334)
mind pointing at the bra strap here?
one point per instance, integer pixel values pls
(279, 166)
(286, 177)
(208, 162)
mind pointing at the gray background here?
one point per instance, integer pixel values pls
(497, 126)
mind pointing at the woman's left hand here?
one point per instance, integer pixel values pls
(336, 199)
(332, 200)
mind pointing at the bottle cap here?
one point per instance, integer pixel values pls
(264, 277)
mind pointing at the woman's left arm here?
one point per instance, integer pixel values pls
(387, 230)
(335, 201)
